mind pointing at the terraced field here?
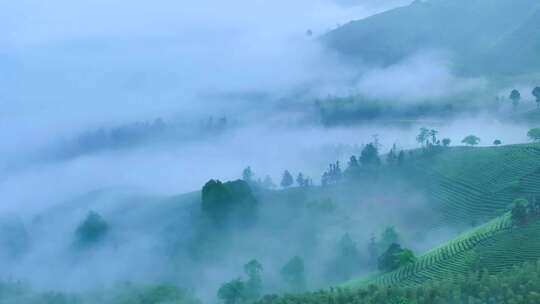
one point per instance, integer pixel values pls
(495, 247)
(473, 185)
(470, 186)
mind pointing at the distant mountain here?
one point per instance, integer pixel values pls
(482, 35)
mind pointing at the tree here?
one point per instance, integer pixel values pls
(395, 257)
(433, 134)
(446, 142)
(519, 211)
(348, 258)
(293, 274)
(423, 137)
(332, 175)
(515, 96)
(370, 155)
(353, 163)
(232, 292)
(247, 175)
(406, 257)
(401, 158)
(497, 142)
(389, 260)
(229, 202)
(471, 140)
(534, 134)
(300, 180)
(392, 156)
(92, 230)
(536, 94)
(287, 179)
(373, 250)
(253, 270)
(388, 237)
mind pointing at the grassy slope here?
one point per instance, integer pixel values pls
(495, 247)
(470, 28)
(471, 184)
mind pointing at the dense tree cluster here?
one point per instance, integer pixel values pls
(520, 285)
(515, 97)
(293, 274)
(471, 140)
(229, 202)
(346, 262)
(240, 291)
(395, 257)
(332, 175)
(523, 211)
(534, 134)
(141, 132)
(286, 179)
(92, 230)
(536, 94)
(122, 293)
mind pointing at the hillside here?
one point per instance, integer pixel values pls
(496, 246)
(478, 33)
(473, 185)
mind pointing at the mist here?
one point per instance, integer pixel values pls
(129, 108)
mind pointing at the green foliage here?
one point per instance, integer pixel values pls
(347, 260)
(534, 134)
(517, 285)
(423, 136)
(293, 274)
(333, 175)
(519, 211)
(232, 292)
(157, 294)
(231, 202)
(240, 291)
(480, 41)
(253, 270)
(395, 257)
(406, 257)
(370, 155)
(471, 140)
(125, 293)
(536, 94)
(515, 96)
(446, 142)
(286, 179)
(497, 142)
(388, 237)
(353, 163)
(92, 230)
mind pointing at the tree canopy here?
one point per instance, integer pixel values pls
(231, 201)
(471, 140)
(536, 94)
(92, 230)
(286, 179)
(293, 273)
(534, 134)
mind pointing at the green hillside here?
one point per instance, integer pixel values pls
(473, 185)
(496, 246)
(469, 186)
(478, 32)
